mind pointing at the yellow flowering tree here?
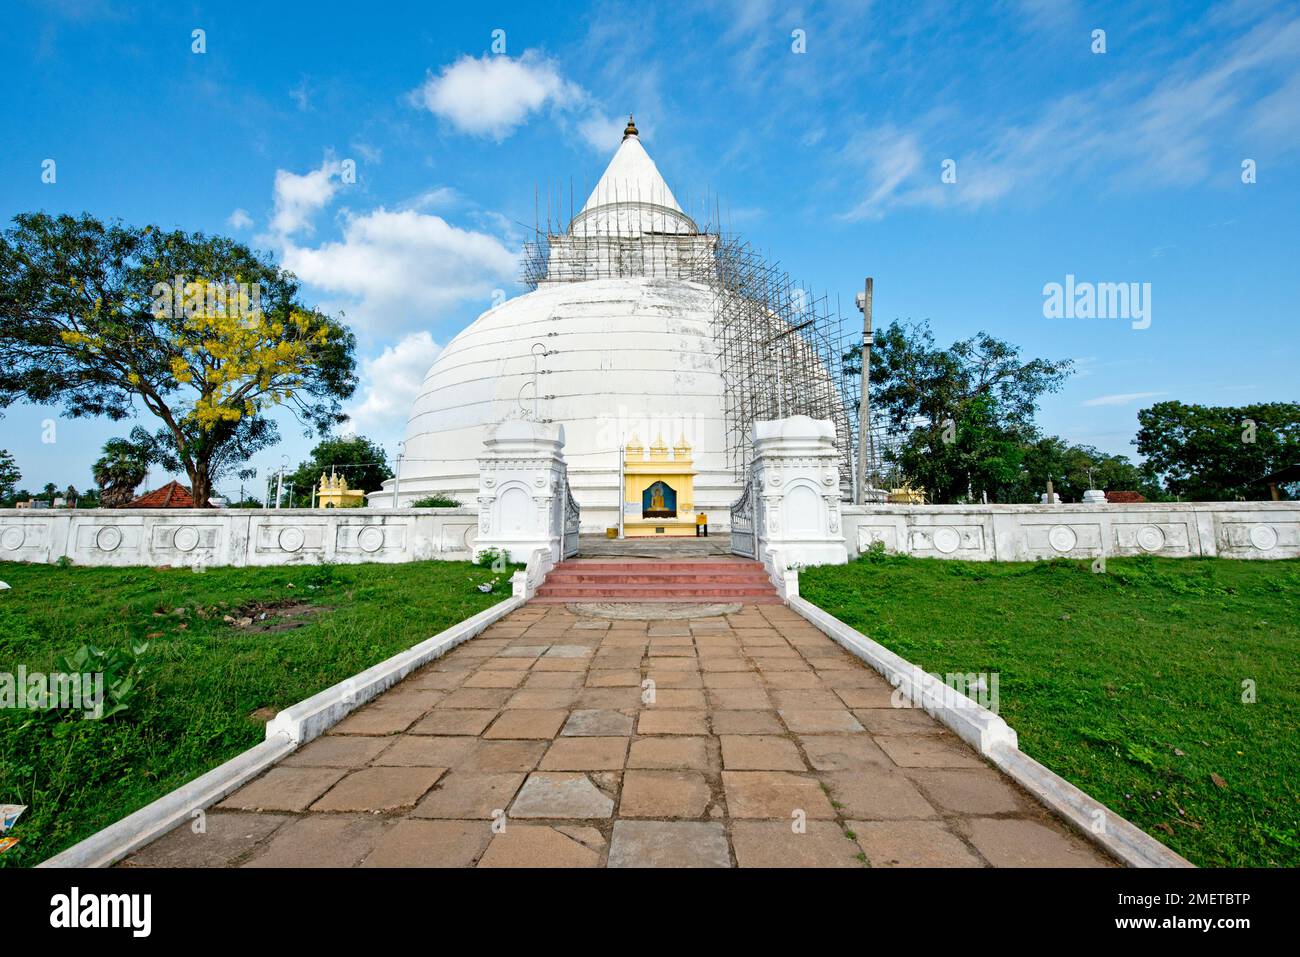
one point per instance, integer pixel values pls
(201, 332)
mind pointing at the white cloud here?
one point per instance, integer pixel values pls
(390, 383)
(298, 196)
(239, 219)
(891, 157)
(492, 95)
(367, 151)
(1121, 398)
(399, 269)
(438, 197)
(602, 133)
(1223, 100)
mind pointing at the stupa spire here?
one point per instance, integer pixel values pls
(631, 197)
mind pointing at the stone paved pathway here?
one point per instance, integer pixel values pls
(757, 742)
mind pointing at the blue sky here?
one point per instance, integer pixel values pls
(1115, 166)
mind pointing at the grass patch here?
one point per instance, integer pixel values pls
(1128, 684)
(228, 647)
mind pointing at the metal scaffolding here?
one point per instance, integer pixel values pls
(782, 350)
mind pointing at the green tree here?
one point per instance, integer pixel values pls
(356, 458)
(1217, 453)
(10, 476)
(966, 411)
(1073, 469)
(958, 459)
(123, 466)
(205, 334)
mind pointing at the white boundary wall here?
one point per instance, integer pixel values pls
(1018, 533)
(215, 537)
(208, 537)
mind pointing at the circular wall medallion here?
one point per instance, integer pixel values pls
(185, 538)
(108, 538)
(12, 538)
(1062, 538)
(947, 540)
(291, 538)
(1150, 538)
(371, 538)
(1263, 537)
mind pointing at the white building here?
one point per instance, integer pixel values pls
(622, 356)
(617, 341)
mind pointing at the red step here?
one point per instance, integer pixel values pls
(644, 578)
(651, 581)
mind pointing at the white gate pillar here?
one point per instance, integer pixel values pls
(796, 474)
(521, 488)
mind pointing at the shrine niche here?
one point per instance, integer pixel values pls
(659, 501)
(658, 489)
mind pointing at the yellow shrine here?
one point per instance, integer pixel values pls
(334, 493)
(906, 495)
(658, 490)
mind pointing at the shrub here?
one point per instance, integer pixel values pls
(493, 558)
(435, 501)
(123, 671)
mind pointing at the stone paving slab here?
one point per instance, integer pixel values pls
(557, 739)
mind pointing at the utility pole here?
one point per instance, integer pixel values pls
(397, 477)
(864, 408)
(279, 485)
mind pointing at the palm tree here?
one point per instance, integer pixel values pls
(122, 467)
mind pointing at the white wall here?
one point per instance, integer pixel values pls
(212, 537)
(1031, 532)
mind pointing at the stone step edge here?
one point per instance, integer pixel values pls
(755, 589)
(667, 578)
(553, 582)
(766, 599)
(570, 566)
(997, 742)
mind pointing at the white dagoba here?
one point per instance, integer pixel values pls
(634, 354)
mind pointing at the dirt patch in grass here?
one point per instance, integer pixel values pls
(283, 615)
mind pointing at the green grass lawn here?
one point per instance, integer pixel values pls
(214, 682)
(1129, 684)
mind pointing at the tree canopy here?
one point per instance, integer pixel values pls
(123, 466)
(10, 476)
(1217, 453)
(356, 458)
(967, 411)
(200, 331)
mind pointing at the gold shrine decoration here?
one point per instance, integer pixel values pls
(334, 493)
(906, 495)
(658, 489)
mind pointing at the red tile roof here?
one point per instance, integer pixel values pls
(171, 495)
